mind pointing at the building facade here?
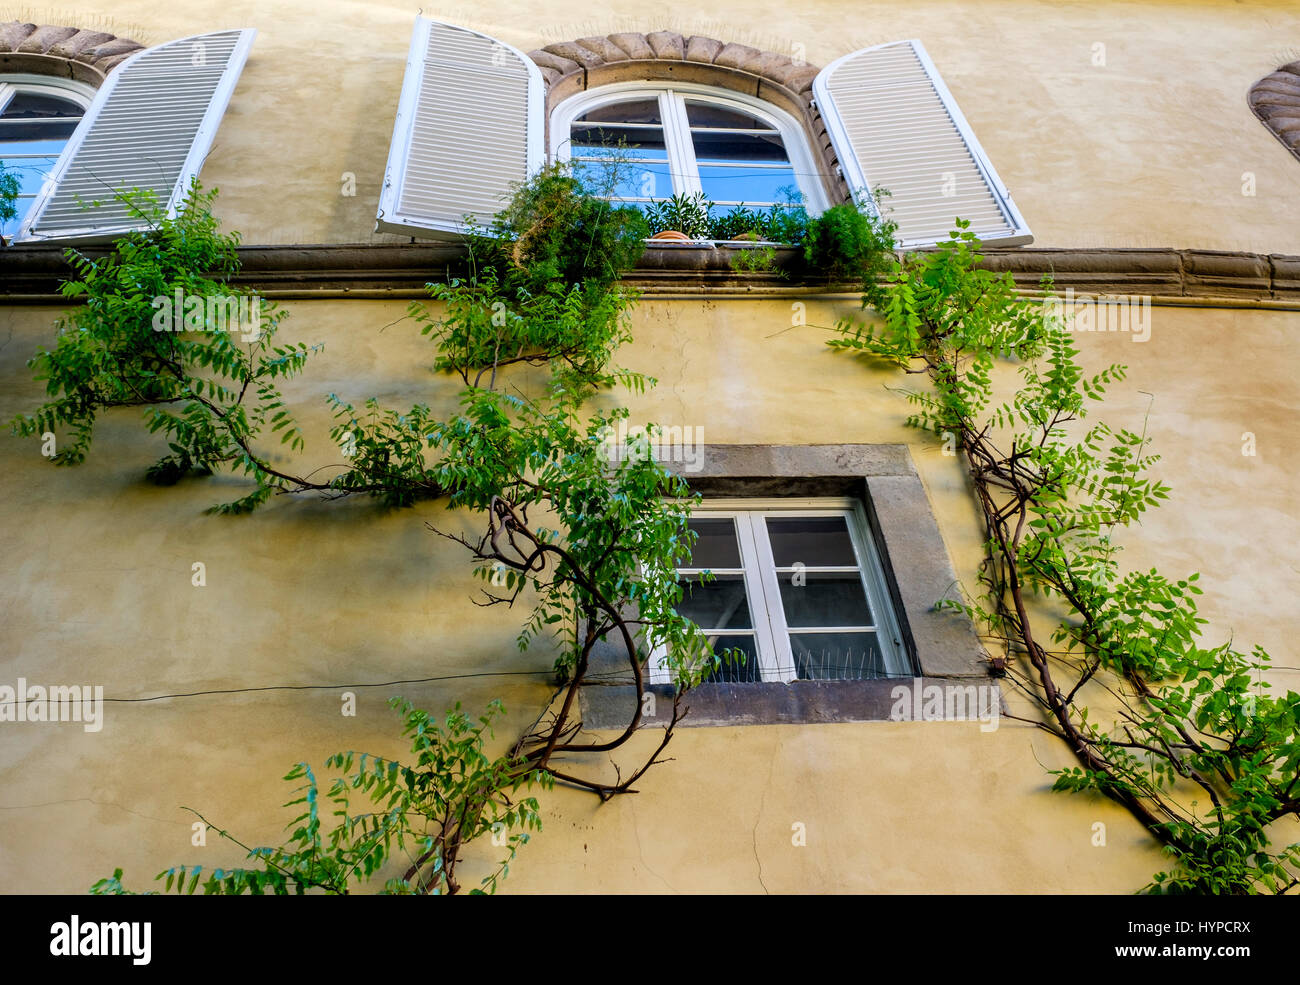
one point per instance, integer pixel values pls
(1141, 152)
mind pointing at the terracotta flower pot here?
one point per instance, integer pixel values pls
(671, 235)
(746, 238)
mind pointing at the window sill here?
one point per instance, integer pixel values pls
(707, 244)
(32, 273)
(611, 706)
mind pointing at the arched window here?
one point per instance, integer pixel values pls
(37, 116)
(477, 116)
(684, 139)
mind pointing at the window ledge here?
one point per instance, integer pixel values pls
(32, 274)
(609, 707)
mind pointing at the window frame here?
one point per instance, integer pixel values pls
(762, 582)
(682, 164)
(73, 90)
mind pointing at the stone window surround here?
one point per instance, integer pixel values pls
(67, 52)
(1275, 99)
(571, 67)
(943, 646)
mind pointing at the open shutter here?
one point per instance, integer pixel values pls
(469, 127)
(150, 126)
(894, 125)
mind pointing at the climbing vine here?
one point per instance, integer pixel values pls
(1195, 747)
(584, 536)
(587, 540)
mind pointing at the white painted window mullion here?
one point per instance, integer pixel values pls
(780, 658)
(686, 173)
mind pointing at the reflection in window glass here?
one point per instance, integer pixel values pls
(837, 656)
(34, 128)
(716, 604)
(816, 542)
(715, 544)
(620, 151)
(802, 590)
(820, 598)
(741, 158)
(678, 144)
(735, 671)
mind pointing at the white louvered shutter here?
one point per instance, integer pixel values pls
(150, 126)
(469, 127)
(894, 125)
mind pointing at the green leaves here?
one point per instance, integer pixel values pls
(688, 214)
(452, 795)
(530, 332)
(846, 242)
(160, 327)
(1191, 722)
(9, 189)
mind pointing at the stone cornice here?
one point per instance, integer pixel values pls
(31, 274)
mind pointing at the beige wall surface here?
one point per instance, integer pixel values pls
(1113, 124)
(97, 590)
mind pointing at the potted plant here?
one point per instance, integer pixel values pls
(681, 218)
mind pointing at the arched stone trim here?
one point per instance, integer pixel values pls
(574, 66)
(67, 52)
(1276, 101)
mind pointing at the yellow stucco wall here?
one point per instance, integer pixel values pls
(1146, 150)
(97, 589)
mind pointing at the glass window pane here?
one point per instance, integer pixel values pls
(19, 129)
(593, 140)
(815, 541)
(718, 604)
(51, 147)
(837, 656)
(624, 180)
(10, 228)
(735, 673)
(628, 111)
(703, 114)
(755, 186)
(33, 104)
(813, 598)
(724, 147)
(716, 546)
(30, 172)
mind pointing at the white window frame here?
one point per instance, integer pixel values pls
(11, 82)
(81, 93)
(682, 165)
(763, 590)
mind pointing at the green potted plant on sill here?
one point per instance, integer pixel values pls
(681, 218)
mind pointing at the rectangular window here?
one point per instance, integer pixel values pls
(795, 586)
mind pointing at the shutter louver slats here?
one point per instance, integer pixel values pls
(150, 126)
(469, 128)
(895, 126)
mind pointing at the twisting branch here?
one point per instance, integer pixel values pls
(1191, 725)
(543, 291)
